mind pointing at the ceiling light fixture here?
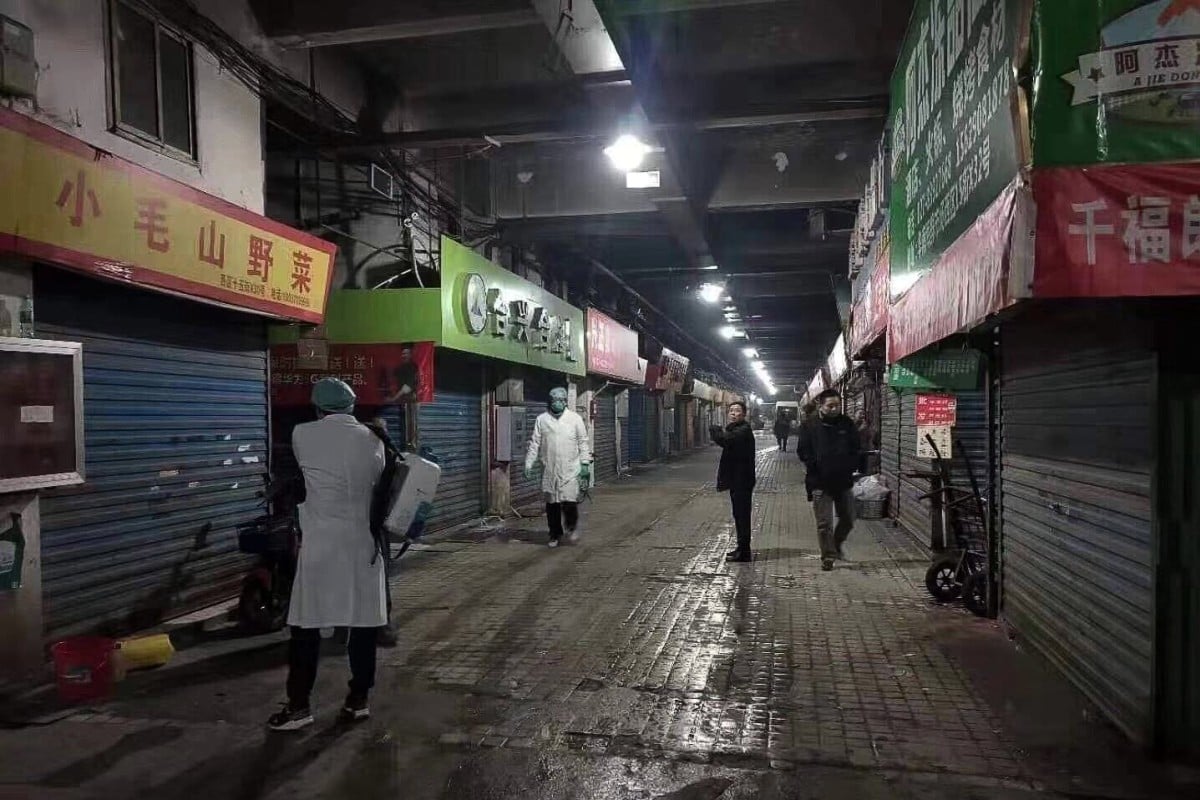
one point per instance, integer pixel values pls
(727, 332)
(711, 292)
(627, 152)
(749, 352)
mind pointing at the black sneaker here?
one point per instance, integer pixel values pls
(827, 564)
(290, 719)
(355, 709)
(733, 553)
(738, 557)
(841, 553)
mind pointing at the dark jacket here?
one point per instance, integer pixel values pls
(829, 450)
(783, 426)
(736, 471)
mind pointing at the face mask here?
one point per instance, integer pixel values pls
(558, 406)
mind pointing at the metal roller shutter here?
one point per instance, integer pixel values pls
(624, 439)
(452, 426)
(175, 416)
(525, 492)
(636, 430)
(604, 427)
(1077, 544)
(899, 456)
(654, 447)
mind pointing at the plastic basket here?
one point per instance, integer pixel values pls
(83, 668)
(870, 509)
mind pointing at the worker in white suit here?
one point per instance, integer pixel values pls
(560, 444)
(340, 580)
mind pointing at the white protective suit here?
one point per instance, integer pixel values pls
(561, 444)
(336, 583)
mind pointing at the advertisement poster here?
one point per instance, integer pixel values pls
(954, 146)
(380, 374)
(936, 369)
(869, 320)
(672, 371)
(1116, 81)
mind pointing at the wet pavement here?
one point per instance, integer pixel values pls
(634, 664)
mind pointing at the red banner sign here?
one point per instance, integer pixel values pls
(612, 349)
(672, 371)
(937, 410)
(969, 282)
(1119, 231)
(380, 374)
(869, 320)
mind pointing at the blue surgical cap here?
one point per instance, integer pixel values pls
(333, 396)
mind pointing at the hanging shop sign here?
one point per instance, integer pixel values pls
(937, 369)
(1118, 231)
(954, 146)
(380, 374)
(71, 204)
(942, 444)
(869, 320)
(492, 312)
(936, 410)
(1117, 81)
(838, 364)
(612, 349)
(672, 371)
(977, 276)
(816, 385)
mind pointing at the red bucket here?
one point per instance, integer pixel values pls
(83, 668)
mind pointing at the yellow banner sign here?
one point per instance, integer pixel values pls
(68, 203)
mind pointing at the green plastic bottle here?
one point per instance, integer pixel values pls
(12, 554)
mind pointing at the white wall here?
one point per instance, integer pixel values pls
(73, 95)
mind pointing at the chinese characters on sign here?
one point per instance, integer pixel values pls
(942, 441)
(936, 410)
(113, 218)
(1113, 231)
(672, 371)
(940, 369)
(380, 374)
(612, 349)
(953, 139)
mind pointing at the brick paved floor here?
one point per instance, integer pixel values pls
(634, 664)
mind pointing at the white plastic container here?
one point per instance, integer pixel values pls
(416, 484)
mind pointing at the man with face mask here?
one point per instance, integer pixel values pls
(560, 443)
(829, 448)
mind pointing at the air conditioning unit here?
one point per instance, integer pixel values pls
(18, 70)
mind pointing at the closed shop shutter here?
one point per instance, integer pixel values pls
(452, 425)
(604, 429)
(1077, 540)
(637, 426)
(175, 422)
(623, 437)
(654, 436)
(537, 385)
(899, 458)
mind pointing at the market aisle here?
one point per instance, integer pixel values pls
(633, 665)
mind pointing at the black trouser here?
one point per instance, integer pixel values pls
(304, 652)
(554, 515)
(741, 499)
(782, 440)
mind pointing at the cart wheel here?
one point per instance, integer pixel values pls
(975, 593)
(256, 611)
(941, 579)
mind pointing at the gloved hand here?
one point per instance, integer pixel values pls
(585, 472)
(529, 473)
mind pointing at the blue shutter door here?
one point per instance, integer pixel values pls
(175, 421)
(636, 429)
(452, 425)
(604, 427)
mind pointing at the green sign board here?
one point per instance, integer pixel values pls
(939, 369)
(1116, 81)
(953, 146)
(489, 311)
(376, 316)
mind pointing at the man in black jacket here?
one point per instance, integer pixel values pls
(829, 449)
(736, 474)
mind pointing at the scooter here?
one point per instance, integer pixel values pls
(275, 538)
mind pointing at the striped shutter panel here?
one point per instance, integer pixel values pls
(637, 426)
(452, 426)
(175, 420)
(604, 448)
